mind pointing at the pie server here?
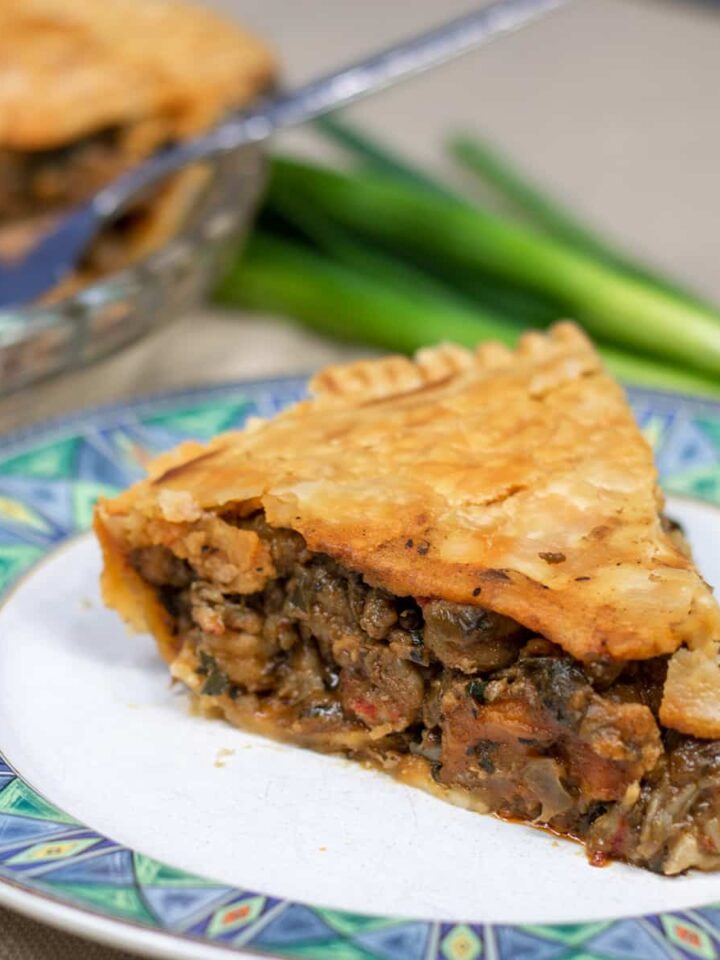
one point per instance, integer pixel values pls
(24, 280)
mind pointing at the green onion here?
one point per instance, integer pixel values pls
(377, 157)
(492, 293)
(278, 276)
(482, 288)
(641, 371)
(534, 203)
(216, 681)
(614, 307)
(476, 690)
(549, 214)
(482, 295)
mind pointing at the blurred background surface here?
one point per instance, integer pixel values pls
(611, 103)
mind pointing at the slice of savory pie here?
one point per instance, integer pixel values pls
(457, 569)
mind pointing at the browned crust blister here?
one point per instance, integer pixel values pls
(514, 480)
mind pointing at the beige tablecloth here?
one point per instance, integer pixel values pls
(611, 102)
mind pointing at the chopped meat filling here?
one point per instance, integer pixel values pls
(494, 711)
(35, 182)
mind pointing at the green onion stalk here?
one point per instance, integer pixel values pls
(493, 169)
(485, 293)
(373, 155)
(275, 275)
(549, 215)
(614, 307)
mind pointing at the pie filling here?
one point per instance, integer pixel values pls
(34, 182)
(463, 701)
(35, 185)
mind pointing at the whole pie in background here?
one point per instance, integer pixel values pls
(89, 88)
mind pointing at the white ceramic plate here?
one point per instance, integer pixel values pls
(90, 724)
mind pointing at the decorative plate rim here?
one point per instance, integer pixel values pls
(80, 921)
(242, 920)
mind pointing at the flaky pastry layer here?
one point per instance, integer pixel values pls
(516, 481)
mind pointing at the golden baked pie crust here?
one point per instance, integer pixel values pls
(516, 481)
(161, 68)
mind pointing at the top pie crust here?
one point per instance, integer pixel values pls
(71, 67)
(517, 481)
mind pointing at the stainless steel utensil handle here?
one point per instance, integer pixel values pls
(334, 90)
